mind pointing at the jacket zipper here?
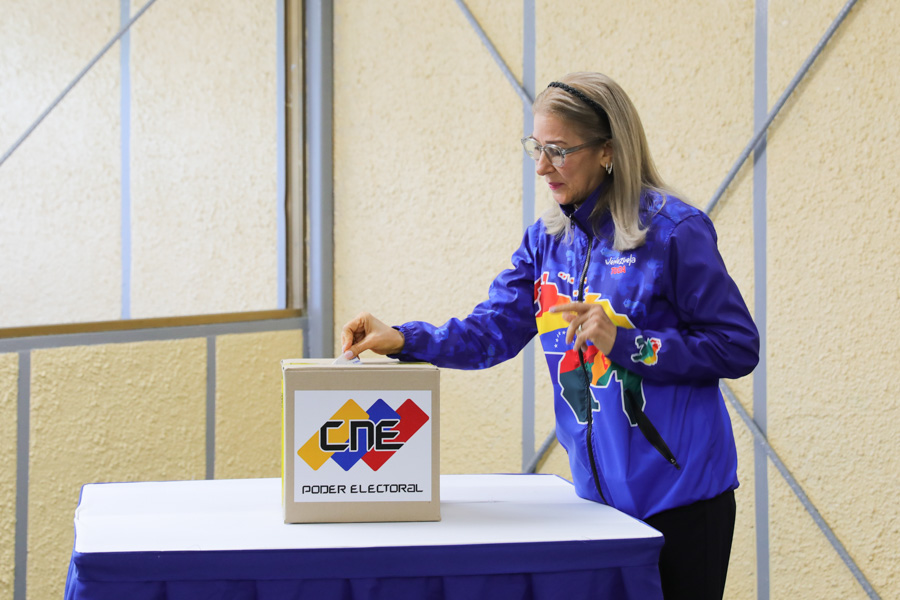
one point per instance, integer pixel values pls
(587, 381)
(646, 427)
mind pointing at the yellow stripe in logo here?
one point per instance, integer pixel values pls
(314, 456)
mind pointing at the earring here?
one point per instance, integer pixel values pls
(609, 168)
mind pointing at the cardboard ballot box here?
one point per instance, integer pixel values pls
(361, 441)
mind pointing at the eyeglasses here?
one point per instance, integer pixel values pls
(555, 154)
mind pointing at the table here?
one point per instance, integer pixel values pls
(500, 537)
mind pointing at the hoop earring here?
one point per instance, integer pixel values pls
(609, 168)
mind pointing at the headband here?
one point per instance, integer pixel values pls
(604, 118)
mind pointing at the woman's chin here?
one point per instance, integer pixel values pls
(561, 199)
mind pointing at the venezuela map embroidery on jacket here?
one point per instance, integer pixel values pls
(646, 427)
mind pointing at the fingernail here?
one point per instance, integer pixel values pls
(347, 355)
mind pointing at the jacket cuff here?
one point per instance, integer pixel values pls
(407, 354)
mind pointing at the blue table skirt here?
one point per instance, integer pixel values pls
(546, 570)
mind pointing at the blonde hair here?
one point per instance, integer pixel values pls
(633, 168)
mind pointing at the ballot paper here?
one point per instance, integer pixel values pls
(341, 360)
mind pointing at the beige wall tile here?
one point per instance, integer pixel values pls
(9, 387)
(204, 173)
(60, 191)
(121, 412)
(248, 402)
(741, 581)
(803, 563)
(834, 276)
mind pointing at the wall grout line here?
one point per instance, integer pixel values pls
(23, 446)
(211, 407)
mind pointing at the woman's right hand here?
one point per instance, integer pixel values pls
(365, 332)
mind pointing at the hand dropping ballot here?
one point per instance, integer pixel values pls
(361, 441)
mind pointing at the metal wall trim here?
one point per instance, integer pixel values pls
(319, 23)
(23, 447)
(148, 323)
(211, 407)
(528, 353)
(281, 157)
(538, 456)
(150, 335)
(760, 465)
(294, 183)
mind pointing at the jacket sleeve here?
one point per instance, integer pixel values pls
(495, 331)
(715, 336)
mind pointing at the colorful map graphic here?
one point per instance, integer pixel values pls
(571, 372)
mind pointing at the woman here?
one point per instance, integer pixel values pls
(638, 319)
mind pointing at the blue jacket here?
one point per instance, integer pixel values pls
(646, 427)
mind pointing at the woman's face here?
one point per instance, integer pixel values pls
(582, 171)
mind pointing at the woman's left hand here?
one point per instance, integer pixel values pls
(587, 322)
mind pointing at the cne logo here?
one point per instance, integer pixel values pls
(372, 436)
(376, 436)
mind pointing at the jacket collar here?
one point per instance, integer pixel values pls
(581, 216)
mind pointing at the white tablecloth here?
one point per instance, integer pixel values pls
(169, 534)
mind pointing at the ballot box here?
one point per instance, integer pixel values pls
(360, 441)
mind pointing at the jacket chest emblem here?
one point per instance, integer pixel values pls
(618, 265)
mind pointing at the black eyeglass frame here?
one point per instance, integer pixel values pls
(562, 151)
